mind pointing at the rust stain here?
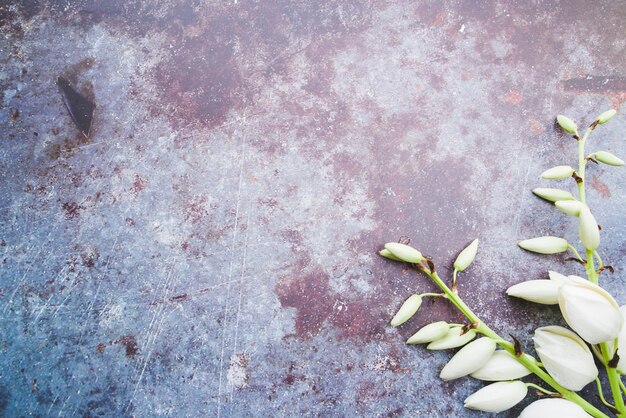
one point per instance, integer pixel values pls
(100, 348)
(130, 344)
(600, 187)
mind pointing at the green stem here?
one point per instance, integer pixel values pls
(601, 395)
(614, 379)
(600, 263)
(546, 391)
(528, 361)
(571, 247)
(437, 295)
(621, 385)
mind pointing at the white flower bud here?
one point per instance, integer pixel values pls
(558, 277)
(545, 245)
(605, 116)
(588, 230)
(404, 252)
(567, 124)
(553, 408)
(466, 256)
(565, 356)
(559, 172)
(452, 339)
(407, 310)
(553, 194)
(608, 158)
(590, 310)
(388, 254)
(545, 292)
(429, 333)
(497, 397)
(469, 359)
(571, 207)
(501, 366)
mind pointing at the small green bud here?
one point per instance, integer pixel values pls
(608, 158)
(588, 230)
(567, 124)
(388, 254)
(404, 252)
(553, 195)
(571, 207)
(545, 245)
(407, 310)
(466, 256)
(559, 172)
(606, 116)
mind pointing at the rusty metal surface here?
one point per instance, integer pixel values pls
(209, 250)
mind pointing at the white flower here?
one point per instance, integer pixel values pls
(469, 359)
(590, 310)
(407, 310)
(553, 195)
(621, 344)
(429, 333)
(565, 356)
(539, 291)
(588, 230)
(452, 339)
(404, 252)
(497, 397)
(559, 172)
(545, 245)
(466, 256)
(608, 158)
(571, 207)
(501, 366)
(553, 408)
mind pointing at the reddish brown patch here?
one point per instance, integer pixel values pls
(513, 97)
(100, 348)
(536, 127)
(138, 185)
(310, 294)
(600, 187)
(130, 344)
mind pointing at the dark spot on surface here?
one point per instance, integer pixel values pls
(72, 209)
(80, 108)
(100, 348)
(179, 298)
(15, 113)
(4, 399)
(130, 344)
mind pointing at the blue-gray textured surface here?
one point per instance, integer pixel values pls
(210, 250)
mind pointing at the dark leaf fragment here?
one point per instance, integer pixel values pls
(80, 108)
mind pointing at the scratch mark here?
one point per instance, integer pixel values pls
(230, 274)
(240, 283)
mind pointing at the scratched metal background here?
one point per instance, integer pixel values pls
(210, 250)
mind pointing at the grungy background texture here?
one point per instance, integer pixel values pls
(211, 249)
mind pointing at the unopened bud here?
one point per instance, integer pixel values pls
(497, 397)
(429, 333)
(404, 252)
(567, 124)
(545, 245)
(608, 158)
(571, 207)
(605, 116)
(388, 254)
(545, 292)
(407, 310)
(588, 230)
(469, 359)
(454, 338)
(466, 256)
(553, 194)
(559, 172)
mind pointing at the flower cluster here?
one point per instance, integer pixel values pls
(565, 355)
